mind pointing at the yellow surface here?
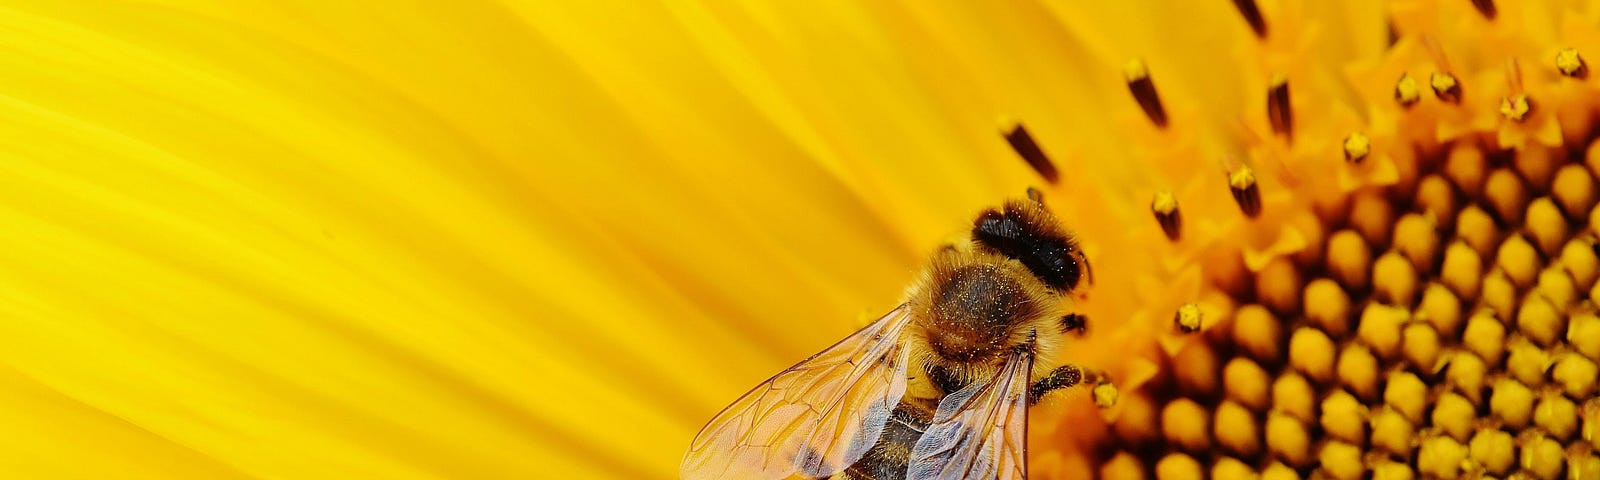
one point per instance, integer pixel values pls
(524, 239)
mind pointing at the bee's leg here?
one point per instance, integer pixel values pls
(1067, 376)
(1062, 377)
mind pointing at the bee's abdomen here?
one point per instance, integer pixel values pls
(890, 457)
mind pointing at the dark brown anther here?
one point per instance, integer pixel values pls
(1188, 318)
(1278, 110)
(1165, 207)
(1252, 15)
(1485, 7)
(1570, 64)
(1075, 324)
(1446, 87)
(1017, 135)
(1242, 183)
(1144, 91)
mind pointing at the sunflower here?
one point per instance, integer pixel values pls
(550, 239)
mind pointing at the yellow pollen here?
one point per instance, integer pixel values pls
(1406, 91)
(1135, 70)
(1245, 192)
(1356, 147)
(1570, 64)
(1164, 203)
(1165, 208)
(1105, 395)
(1188, 317)
(1515, 107)
(1445, 87)
(1137, 76)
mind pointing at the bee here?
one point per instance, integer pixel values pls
(939, 387)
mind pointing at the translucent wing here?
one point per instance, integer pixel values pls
(979, 432)
(816, 418)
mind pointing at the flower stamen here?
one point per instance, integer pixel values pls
(1485, 7)
(1144, 91)
(1406, 92)
(1570, 64)
(1356, 147)
(1252, 15)
(1165, 207)
(1021, 141)
(1242, 183)
(1187, 318)
(1445, 87)
(1278, 111)
(1515, 107)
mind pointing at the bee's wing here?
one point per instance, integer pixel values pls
(816, 418)
(979, 432)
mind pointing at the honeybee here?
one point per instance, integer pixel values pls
(939, 387)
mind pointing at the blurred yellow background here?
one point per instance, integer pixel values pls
(304, 239)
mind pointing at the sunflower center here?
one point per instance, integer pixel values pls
(1430, 340)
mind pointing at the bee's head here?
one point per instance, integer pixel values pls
(1027, 232)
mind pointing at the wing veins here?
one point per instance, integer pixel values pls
(811, 417)
(972, 432)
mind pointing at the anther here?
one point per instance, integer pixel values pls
(1144, 91)
(1570, 64)
(1035, 195)
(1485, 7)
(1515, 107)
(1188, 318)
(1252, 15)
(1165, 207)
(1406, 92)
(1017, 135)
(1246, 193)
(1278, 111)
(1445, 87)
(1356, 147)
(1075, 324)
